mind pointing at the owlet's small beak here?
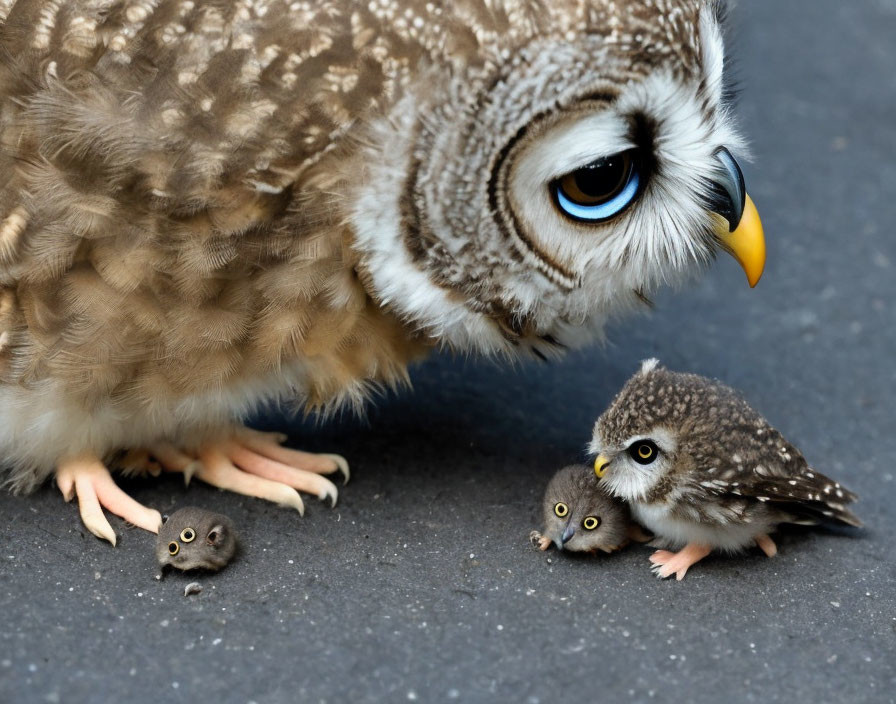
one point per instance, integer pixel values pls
(739, 228)
(568, 532)
(600, 466)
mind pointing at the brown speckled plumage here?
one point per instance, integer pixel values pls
(167, 225)
(183, 185)
(720, 463)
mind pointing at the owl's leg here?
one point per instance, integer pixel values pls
(87, 477)
(767, 545)
(268, 445)
(666, 563)
(254, 464)
(273, 470)
(217, 469)
(173, 460)
(214, 467)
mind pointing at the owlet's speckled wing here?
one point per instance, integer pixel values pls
(759, 463)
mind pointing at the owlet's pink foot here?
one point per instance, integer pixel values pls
(542, 542)
(767, 545)
(666, 563)
(247, 462)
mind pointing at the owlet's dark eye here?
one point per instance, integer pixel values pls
(644, 451)
(601, 190)
(561, 509)
(188, 535)
(173, 548)
(590, 523)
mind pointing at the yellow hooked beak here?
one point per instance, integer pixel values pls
(746, 243)
(738, 227)
(600, 466)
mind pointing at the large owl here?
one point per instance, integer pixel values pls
(206, 206)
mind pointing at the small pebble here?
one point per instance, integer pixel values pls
(192, 588)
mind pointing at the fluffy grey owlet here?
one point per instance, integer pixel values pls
(193, 538)
(580, 516)
(210, 206)
(702, 470)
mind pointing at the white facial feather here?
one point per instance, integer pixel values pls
(659, 229)
(399, 283)
(713, 49)
(660, 239)
(627, 479)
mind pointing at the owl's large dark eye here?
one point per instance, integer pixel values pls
(173, 548)
(601, 190)
(561, 509)
(644, 451)
(188, 535)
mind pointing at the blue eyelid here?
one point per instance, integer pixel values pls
(603, 211)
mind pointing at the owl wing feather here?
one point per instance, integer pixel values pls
(744, 457)
(784, 481)
(187, 117)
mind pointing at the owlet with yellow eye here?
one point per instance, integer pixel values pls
(580, 516)
(193, 538)
(704, 471)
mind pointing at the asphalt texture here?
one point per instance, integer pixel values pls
(421, 584)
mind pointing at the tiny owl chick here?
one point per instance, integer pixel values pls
(580, 516)
(703, 470)
(193, 538)
(207, 207)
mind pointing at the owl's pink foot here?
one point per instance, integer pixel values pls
(87, 477)
(767, 545)
(666, 563)
(268, 445)
(254, 464)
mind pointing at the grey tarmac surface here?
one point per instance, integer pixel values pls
(421, 584)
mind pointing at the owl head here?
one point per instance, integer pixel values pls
(579, 516)
(193, 538)
(531, 183)
(663, 424)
